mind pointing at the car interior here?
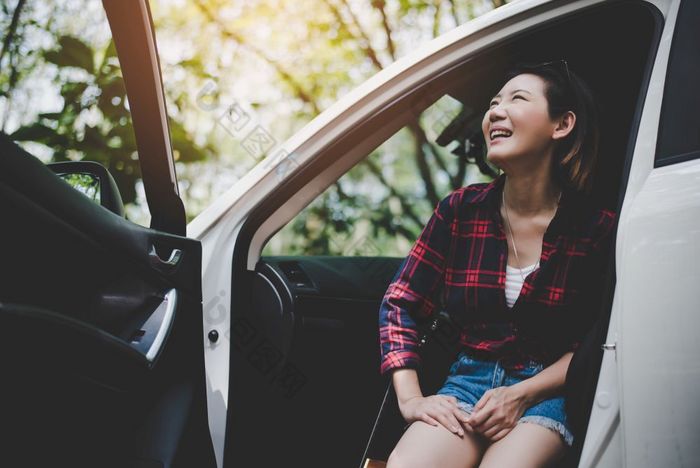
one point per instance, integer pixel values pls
(314, 396)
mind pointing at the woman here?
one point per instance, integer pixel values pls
(521, 261)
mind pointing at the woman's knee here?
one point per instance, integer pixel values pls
(426, 446)
(399, 459)
(410, 455)
(527, 445)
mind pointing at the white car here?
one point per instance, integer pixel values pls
(280, 358)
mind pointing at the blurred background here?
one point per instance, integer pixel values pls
(278, 63)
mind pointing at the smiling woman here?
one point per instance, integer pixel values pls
(540, 94)
(333, 295)
(540, 130)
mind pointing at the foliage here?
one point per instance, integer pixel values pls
(81, 78)
(290, 60)
(61, 92)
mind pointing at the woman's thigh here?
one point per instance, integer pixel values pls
(426, 446)
(526, 446)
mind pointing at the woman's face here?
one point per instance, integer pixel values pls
(520, 109)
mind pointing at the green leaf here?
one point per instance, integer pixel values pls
(72, 91)
(111, 50)
(34, 132)
(72, 52)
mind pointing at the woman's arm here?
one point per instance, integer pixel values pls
(410, 293)
(406, 384)
(546, 384)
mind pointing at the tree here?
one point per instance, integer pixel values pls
(68, 96)
(283, 61)
(308, 54)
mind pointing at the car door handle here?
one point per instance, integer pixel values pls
(164, 265)
(150, 337)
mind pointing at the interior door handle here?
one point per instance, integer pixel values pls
(164, 265)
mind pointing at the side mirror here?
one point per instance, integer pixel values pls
(93, 180)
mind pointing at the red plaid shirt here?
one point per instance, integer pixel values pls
(463, 248)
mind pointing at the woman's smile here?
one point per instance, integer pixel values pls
(498, 134)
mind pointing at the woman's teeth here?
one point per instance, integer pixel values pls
(500, 133)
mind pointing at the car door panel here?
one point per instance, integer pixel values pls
(96, 333)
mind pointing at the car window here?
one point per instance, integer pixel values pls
(62, 96)
(679, 137)
(62, 93)
(379, 207)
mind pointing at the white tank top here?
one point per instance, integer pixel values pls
(514, 282)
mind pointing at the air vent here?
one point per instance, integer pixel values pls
(295, 275)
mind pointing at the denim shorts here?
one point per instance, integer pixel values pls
(470, 378)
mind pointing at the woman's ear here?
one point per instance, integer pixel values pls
(565, 125)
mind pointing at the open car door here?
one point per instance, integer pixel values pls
(100, 318)
(646, 412)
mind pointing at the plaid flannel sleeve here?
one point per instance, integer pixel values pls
(411, 292)
(602, 248)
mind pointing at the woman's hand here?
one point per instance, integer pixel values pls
(434, 410)
(497, 412)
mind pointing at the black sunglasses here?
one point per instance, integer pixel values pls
(555, 63)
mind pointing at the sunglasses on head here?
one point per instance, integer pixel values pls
(559, 63)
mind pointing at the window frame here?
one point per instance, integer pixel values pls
(678, 116)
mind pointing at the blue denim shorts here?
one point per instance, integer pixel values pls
(470, 378)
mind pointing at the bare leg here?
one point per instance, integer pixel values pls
(528, 445)
(427, 446)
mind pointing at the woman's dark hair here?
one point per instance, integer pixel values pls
(576, 155)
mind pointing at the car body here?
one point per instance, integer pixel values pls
(268, 321)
